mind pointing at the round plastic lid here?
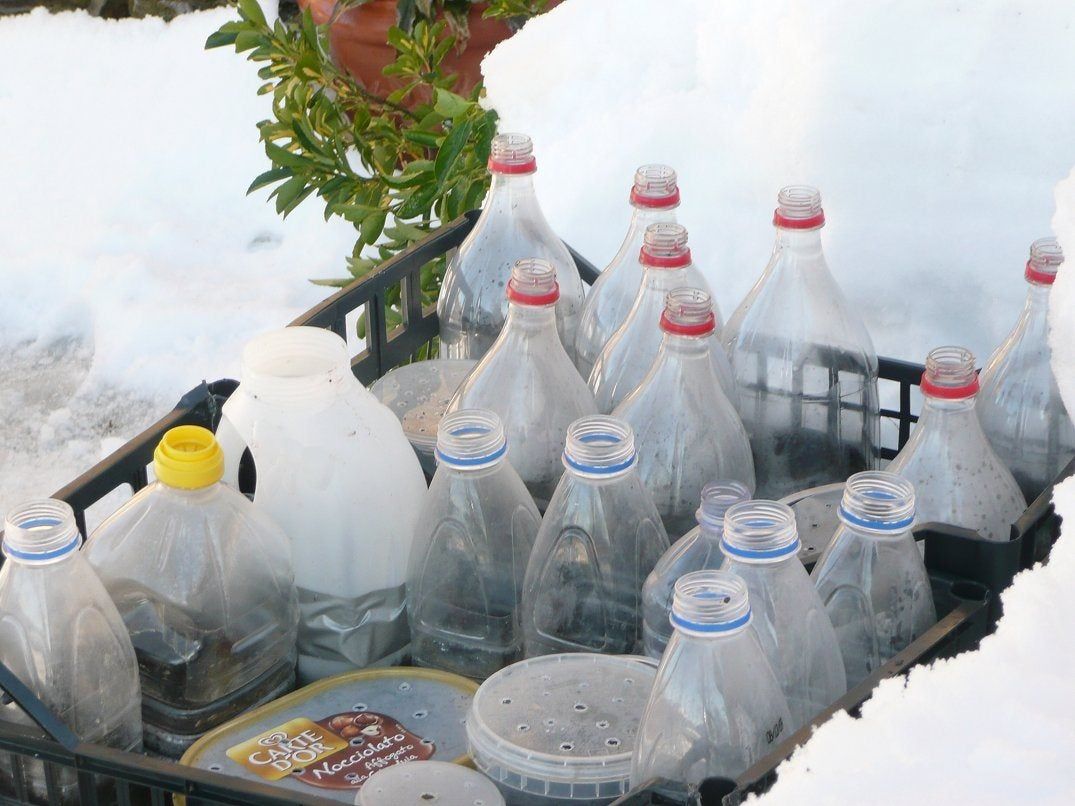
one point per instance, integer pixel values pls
(562, 726)
(437, 783)
(419, 393)
(816, 518)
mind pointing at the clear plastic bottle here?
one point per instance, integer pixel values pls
(203, 581)
(628, 355)
(528, 379)
(716, 706)
(61, 635)
(698, 550)
(761, 544)
(468, 559)
(1020, 407)
(957, 477)
(686, 428)
(871, 577)
(654, 199)
(804, 364)
(599, 539)
(471, 305)
(332, 465)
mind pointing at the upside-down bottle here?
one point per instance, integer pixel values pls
(958, 479)
(654, 199)
(871, 577)
(471, 305)
(62, 637)
(1020, 406)
(468, 558)
(686, 429)
(626, 358)
(804, 364)
(529, 381)
(698, 550)
(761, 544)
(716, 706)
(598, 540)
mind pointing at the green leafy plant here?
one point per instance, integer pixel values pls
(394, 166)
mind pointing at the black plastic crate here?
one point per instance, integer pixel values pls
(966, 570)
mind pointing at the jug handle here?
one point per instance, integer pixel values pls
(234, 434)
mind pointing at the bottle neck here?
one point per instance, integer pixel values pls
(296, 368)
(661, 281)
(642, 217)
(42, 532)
(512, 195)
(806, 242)
(532, 321)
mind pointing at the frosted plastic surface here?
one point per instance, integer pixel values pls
(418, 783)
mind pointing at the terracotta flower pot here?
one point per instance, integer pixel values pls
(359, 41)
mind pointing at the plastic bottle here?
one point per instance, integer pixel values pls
(528, 379)
(698, 550)
(471, 305)
(804, 364)
(475, 533)
(629, 353)
(686, 428)
(716, 706)
(654, 199)
(332, 467)
(761, 544)
(871, 577)
(203, 581)
(61, 636)
(599, 539)
(1020, 407)
(957, 477)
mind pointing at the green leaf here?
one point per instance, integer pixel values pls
(450, 150)
(247, 40)
(251, 9)
(268, 178)
(355, 213)
(333, 282)
(417, 203)
(449, 104)
(287, 194)
(281, 156)
(220, 39)
(371, 228)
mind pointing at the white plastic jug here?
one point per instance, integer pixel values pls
(336, 472)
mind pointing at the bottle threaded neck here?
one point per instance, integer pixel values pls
(878, 501)
(688, 312)
(533, 282)
(40, 532)
(471, 439)
(950, 374)
(664, 246)
(760, 532)
(599, 446)
(295, 365)
(717, 498)
(655, 187)
(1045, 259)
(799, 207)
(512, 154)
(710, 603)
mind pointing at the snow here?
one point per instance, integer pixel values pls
(131, 261)
(1062, 297)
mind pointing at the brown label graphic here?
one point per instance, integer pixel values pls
(338, 752)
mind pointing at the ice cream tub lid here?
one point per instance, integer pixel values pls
(816, 518)
(329, 738)
(419, 393)
(419, 783)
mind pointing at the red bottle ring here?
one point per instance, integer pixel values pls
(526, 167)
(700, 329)
(813, 222)
(661, 262)
(1035, 276)
(514, 295)
(655, 202)
(950, 392)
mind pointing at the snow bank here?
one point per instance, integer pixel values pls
(936, 130)
(1062, 297)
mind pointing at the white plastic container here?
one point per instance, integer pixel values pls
(560, 730)
(333, 466)
(418, 783)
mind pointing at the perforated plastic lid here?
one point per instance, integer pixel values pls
(437, 783)
(418, 395)
(562, 726)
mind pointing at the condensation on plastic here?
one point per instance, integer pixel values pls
(560, 730)
(761, 546)
(698, 550)
(957, 476)
(654, 199)
(419, 783)
(804, 364)
(468, 559)
(630, 351)
(716, 706)
(471, 305)
(61, 635)
(528, 379)
(332, 464)
(687, 431)
(1020, 407)
(203, 581)
(871, 578)
(598, 540)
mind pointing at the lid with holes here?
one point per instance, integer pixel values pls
(562, 726)
(419, 393)
(815, 518)
(418, 783)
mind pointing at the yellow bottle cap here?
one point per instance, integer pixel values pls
(188, 457)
